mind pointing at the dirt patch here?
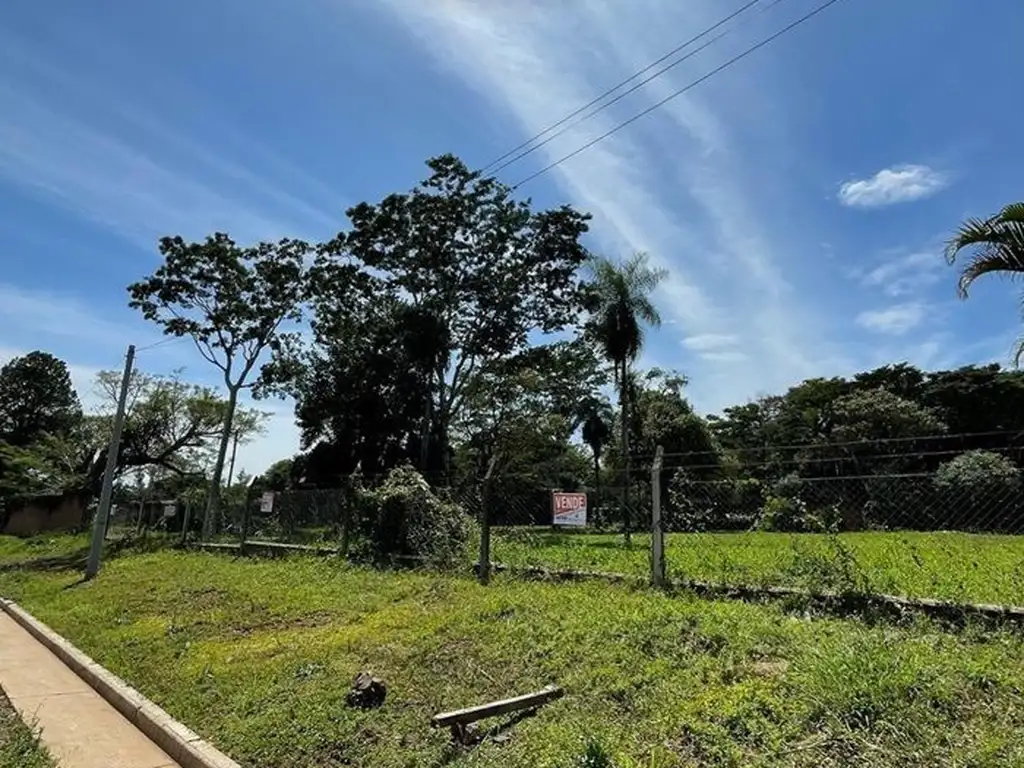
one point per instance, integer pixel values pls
(770, 669)
(309, 621)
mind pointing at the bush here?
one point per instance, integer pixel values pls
(404, 517)
(789, 487)
(978, 471)
(977, 483)
(712, 505)
(786, 511)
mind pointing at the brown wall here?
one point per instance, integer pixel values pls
(46, 513)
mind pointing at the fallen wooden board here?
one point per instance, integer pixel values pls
(472, 714)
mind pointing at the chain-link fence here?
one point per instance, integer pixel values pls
(906, 534)
(134, 518)
(879, 518)
(864, 517)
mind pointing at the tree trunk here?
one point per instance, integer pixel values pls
(624, 414)
(597, 480)
(213, 500)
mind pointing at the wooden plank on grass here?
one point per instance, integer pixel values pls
(472, 714)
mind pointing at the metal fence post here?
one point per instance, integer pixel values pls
(348, 502)
(484, 566)
(185, 522)
(657, 534)
(246, 512)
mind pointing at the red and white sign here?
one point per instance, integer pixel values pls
(569, 508)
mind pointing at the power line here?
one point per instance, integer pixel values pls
(826, 460)
(870, 442)
(636, 87)
(681, 91)
(614, 88)
(155, 344)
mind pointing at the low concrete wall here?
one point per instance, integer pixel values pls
(39, 514)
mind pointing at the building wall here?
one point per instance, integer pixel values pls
(39, 514)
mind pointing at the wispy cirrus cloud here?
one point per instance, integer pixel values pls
(898, 184)
(710, 341)
(141, 180)
(895, 320)
(906, 274)
(674, 185)
(25, 311)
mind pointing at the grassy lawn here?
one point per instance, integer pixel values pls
(257, 656)
(14, 550)
(955, 566)
(19, 747)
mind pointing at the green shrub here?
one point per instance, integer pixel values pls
(695, 505)
(976, 483)
(404, 517)
(794, 516)
(978, 472)
(789, 487)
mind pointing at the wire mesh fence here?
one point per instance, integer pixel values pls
(864, 517)
(867, 519)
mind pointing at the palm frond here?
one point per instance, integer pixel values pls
(990, 259)
(995, 244)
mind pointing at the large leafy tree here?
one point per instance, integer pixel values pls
(620, 308)
(519, 417)
(36, 398)
(977, 399)
(232, 302)
(363, 393)
(550, 385)
(480, 270)
(994, 246)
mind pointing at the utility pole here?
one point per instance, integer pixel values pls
(99, 524)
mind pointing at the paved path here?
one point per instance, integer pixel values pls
(76, 724)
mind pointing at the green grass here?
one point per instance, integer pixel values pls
(257, 656)
(19, 747)
(14, 550)
(953, 566)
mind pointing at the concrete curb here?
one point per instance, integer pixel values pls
(182, 744)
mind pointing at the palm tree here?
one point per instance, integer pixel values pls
(596, 431)
(996, 245)
(619, 303)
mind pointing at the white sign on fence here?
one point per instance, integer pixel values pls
(267, 502)
(569, 508)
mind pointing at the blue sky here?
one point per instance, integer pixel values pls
(799, 199)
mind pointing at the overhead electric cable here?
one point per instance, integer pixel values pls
(487, 168)
(530, 150)
(757, 46)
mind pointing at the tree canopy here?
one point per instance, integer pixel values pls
(36, 398)
(231, 301)
(423, 294)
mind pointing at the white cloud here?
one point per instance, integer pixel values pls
(732, 356)
(906, 274)
(895, 320)
(899, 184)
(708, 341)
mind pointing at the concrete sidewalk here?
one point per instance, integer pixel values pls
(77, 726)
